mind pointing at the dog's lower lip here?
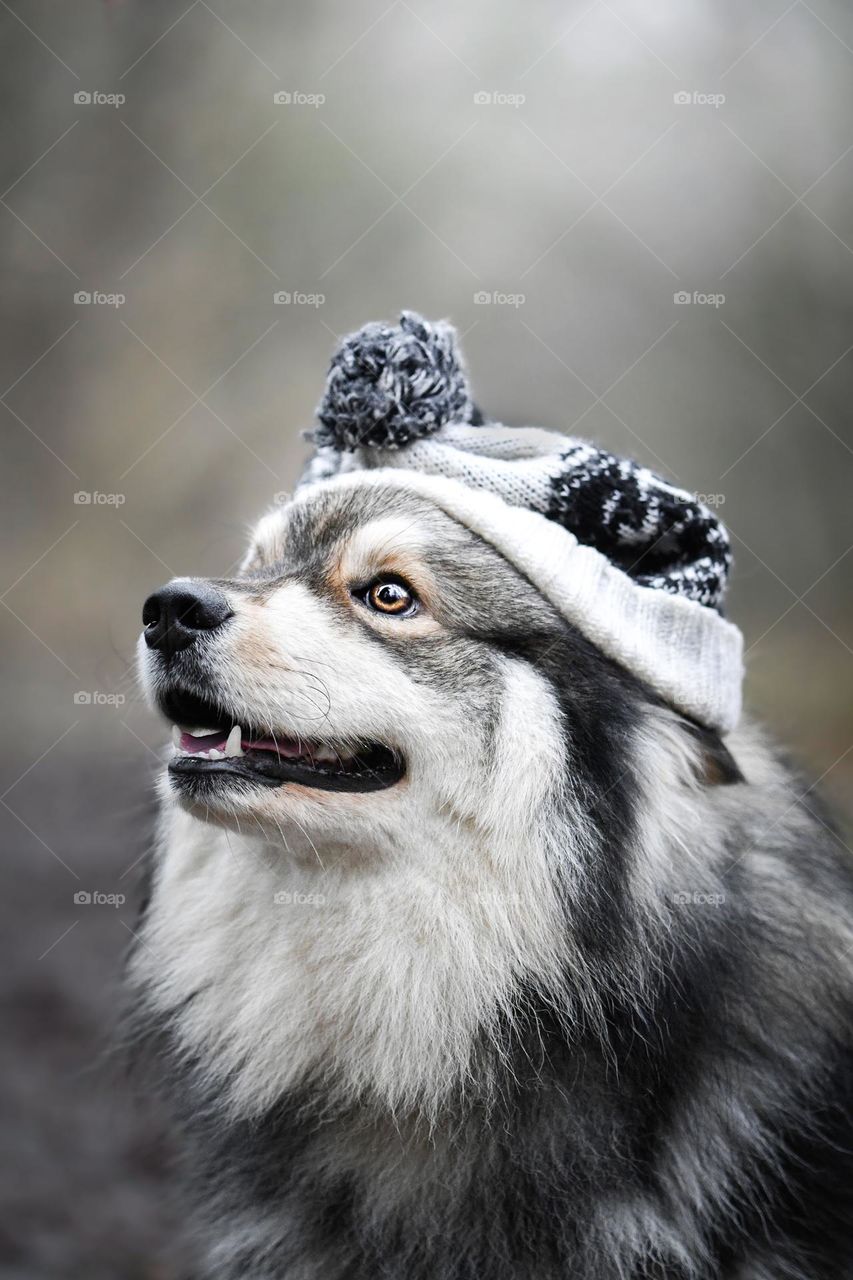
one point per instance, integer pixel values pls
(376, 770)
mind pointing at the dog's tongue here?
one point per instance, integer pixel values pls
(194, 745)
(282, 746)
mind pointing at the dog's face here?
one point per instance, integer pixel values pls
(353, 675)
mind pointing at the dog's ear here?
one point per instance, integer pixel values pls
(717, 767)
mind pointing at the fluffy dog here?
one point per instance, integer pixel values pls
(467, 955)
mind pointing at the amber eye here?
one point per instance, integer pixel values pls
(387, 595)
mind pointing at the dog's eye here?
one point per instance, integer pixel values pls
(390, 595)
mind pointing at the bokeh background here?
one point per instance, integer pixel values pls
(550, 177)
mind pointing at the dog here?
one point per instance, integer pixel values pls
(466, 957)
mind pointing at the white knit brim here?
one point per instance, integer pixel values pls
(685, 651)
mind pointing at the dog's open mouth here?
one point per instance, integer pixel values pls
(210, 743)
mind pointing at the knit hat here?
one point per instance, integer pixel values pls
(637, 565)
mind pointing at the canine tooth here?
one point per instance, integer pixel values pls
(232, 746)
(176, 736)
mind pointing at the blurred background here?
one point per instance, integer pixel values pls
(639, 216)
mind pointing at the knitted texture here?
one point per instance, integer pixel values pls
(397, 401)
(662, 536)
(388, 386)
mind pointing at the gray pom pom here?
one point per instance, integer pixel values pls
(389, 386)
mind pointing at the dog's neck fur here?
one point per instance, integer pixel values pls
(376, 973)
(373, 979)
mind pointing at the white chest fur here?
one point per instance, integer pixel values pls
(375, 969)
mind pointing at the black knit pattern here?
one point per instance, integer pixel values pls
(388, 386)
(662, 537)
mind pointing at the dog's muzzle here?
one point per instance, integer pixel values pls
(217, 740)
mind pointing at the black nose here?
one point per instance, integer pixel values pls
(181, 611)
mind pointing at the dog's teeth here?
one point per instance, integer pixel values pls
(202, 733)
(176, 735)
(325, 754)
(232, 746)
(215, 754)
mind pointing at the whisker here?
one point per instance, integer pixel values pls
(310, 841)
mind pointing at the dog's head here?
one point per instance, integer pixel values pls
(375, 664)
(374, 660)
